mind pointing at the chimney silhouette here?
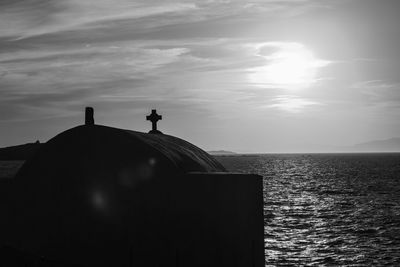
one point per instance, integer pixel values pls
(89, 119)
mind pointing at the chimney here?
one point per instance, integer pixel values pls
(89, 119)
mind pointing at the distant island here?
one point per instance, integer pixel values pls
(387, 145)
(221, 152)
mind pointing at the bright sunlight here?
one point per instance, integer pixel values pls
(289, 65)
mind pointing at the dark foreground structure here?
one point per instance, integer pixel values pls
(100, 196)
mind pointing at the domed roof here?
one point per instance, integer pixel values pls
(98, 151)
(91, 190)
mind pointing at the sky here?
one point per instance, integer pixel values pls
(240, 75)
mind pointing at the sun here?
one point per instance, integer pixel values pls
(289, 66)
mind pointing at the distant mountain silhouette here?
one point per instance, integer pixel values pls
(387, 145)
(221, 152)
(19, 152)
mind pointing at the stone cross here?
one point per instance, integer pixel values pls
(154, 117)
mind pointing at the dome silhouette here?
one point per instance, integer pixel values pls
(93, 192)
(97, 151)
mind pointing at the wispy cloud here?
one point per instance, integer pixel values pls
(45, 17)
(94, 51)
(378, 93)
(292, 104)
(197, 71)
(373, 84)
(59, 55)
(286, 65)
(23, 19)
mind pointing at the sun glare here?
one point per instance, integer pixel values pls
(290, 66)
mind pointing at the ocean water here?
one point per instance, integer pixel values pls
(328, 209)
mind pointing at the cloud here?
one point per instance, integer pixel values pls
(57, 54)
(19, 16)
(27, 20)
(292, 104)
(286, 65)
(378, 93)
(126, 59)
(58, 79)
(372, 84)
(202, 71)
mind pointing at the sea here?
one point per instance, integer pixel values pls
(322, 209)
(328, 209)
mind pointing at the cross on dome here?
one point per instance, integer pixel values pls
(154, 118)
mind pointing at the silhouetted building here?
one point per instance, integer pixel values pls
(102, 196)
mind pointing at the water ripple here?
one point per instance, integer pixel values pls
(328, 209)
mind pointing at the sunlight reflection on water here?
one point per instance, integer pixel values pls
(328, 209)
